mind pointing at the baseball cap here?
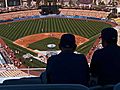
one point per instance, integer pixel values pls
(109, 34)
(67, 41)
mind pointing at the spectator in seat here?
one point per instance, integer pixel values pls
(67, 67)
(105, 63)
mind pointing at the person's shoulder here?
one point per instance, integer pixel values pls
(52, 58)
(80, 58)
(118, 47)
(80, 55)
(99, 50)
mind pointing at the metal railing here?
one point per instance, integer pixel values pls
(5, 72)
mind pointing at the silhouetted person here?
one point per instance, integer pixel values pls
(105, 63)
(67, 67)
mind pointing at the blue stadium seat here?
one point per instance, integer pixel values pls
(44, 87)
(96, 88)
(106, 87)
(117, 86)
(30, 80)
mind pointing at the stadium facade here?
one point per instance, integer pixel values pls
(7, 3)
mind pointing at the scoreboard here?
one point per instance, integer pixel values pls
(54, 9)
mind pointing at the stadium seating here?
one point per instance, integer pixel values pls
(117, 87)
(108, 87)
(8, 16)
(96, 88)
(23, 81)
(35, 82)
(44, 87)
(91, 13)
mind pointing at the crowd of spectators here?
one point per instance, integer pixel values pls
(20, 14)
(73, 12)
(15, 9)
(9, 64)
(8, 54)
(91, 13)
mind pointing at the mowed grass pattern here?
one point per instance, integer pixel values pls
(16, 30)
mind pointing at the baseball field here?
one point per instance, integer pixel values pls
(28, 35)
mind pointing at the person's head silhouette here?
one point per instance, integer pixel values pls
(109, 36)
(67, 42)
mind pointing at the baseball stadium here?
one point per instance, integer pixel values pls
(30, 33)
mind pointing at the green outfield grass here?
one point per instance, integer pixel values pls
(15, 30)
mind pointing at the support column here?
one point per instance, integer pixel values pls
(6, 3)
(21, 3)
